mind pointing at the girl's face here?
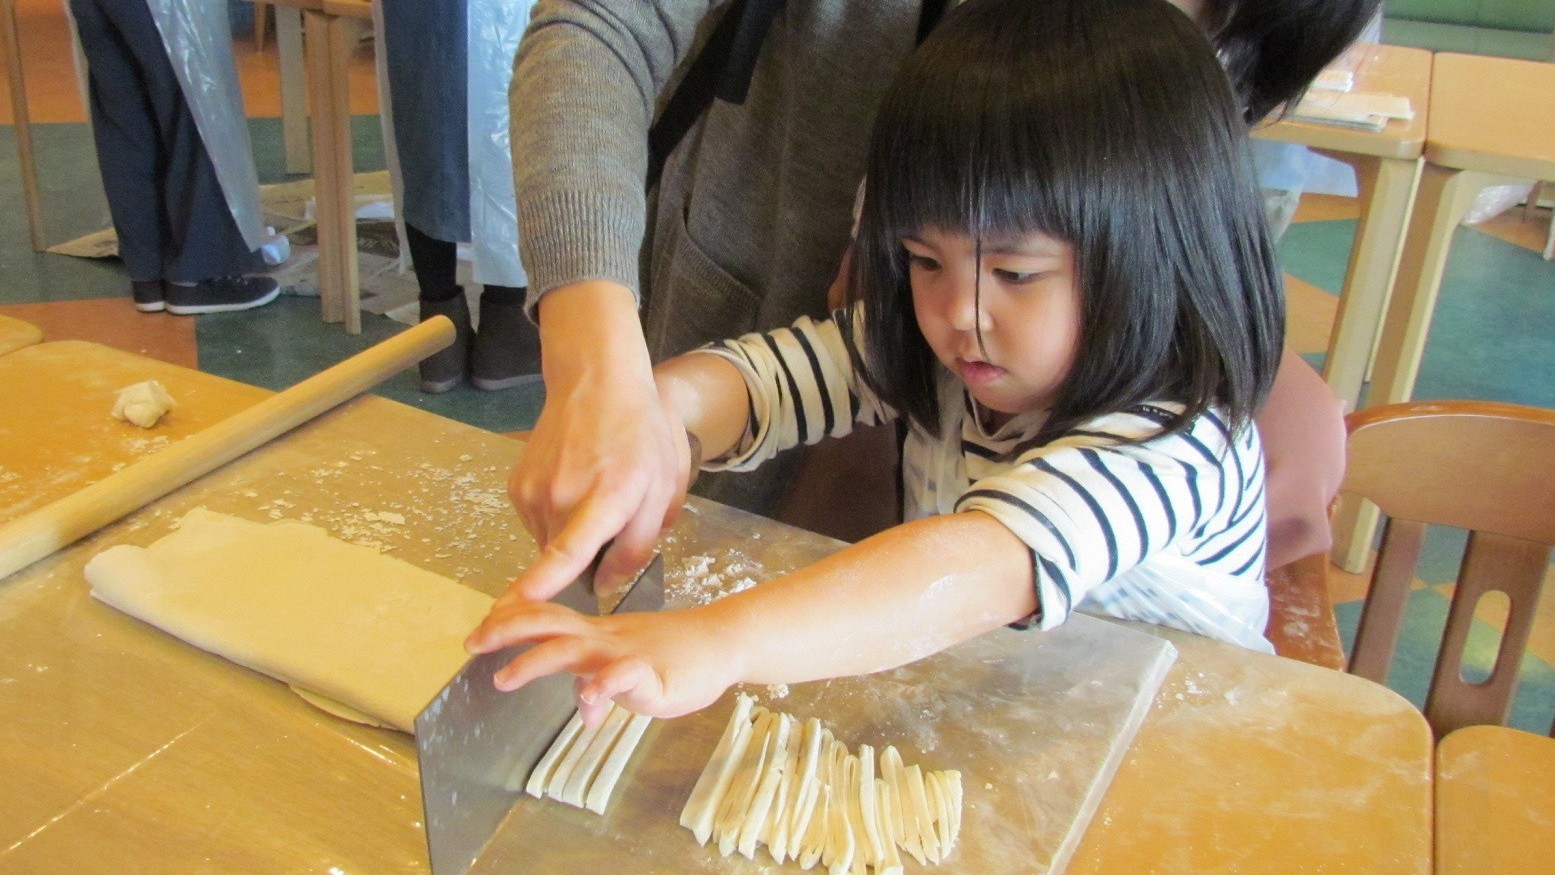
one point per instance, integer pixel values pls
(1028, 314)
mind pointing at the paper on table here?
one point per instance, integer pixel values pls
(1363, 109)
(1334, 79)
(334, 619)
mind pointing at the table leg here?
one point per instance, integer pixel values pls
(1441, 202)
(11, 46)
(343, 37)
(324, 165)
(1387, 185)
(294, 95)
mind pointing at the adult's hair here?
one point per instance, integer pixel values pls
(1273, 49)
(1105, 123)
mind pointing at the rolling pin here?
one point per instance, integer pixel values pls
(29, 538)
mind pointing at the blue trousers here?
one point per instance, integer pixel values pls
(167, 205)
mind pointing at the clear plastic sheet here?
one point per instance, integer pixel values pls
(495, 29)
(198, 38)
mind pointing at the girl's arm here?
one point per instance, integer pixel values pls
(709, 395)
(906, 593)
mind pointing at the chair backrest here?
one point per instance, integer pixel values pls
(1485, 467)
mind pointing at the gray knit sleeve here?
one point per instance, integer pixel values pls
(586, 81)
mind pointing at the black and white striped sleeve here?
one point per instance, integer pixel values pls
(803, 387)
(1092, 508)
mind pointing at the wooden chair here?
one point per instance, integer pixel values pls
(1301, 614)
(1485, 467)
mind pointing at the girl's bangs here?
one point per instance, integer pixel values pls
(981, 153)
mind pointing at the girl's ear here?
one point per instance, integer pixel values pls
(838, 293)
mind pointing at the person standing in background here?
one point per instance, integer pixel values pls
(445, 60)
(174, 153)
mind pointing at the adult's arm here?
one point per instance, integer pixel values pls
(605, 459)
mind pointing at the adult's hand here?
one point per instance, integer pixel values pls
(607, 462)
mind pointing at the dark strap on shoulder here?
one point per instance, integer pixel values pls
(724, 68)
(929, 16)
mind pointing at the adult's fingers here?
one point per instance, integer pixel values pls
(567, 555)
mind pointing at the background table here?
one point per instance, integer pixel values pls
(124, 747)
(1492, 121)
(1495, 801)
(331, 31)
(1386, 167)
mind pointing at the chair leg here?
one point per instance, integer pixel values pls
(261, 24)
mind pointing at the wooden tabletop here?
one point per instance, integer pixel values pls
(1495, 115)
(1382, 69)
(1495, 801)
(123, 747)
(61, 435)
(15, 334)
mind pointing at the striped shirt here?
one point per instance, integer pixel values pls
(1120, 519)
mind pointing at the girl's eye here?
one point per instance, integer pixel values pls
(922, 262)
(1017, 277)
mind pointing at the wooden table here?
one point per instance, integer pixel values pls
(123, 747)
(1386, 166)
(1495, 801)
(15, 334)
(1492, 121)
(21, 124)
(331, 31)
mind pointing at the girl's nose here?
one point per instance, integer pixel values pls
(967, 311)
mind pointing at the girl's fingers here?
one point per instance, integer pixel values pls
(632, 680)
(521, 621)
(593, 711)
(570, 654)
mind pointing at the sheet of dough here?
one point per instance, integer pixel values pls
(345, 622)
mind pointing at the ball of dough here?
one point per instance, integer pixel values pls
(143, 403)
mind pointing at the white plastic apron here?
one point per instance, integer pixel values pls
(493, 33)
(198, 39)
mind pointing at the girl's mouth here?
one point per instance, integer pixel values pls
(975, 373)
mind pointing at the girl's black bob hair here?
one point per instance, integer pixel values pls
(1105, 123)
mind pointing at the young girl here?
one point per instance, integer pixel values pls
(1063, 284)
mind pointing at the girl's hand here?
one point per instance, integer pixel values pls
(662, 664)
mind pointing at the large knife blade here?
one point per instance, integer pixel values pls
(476, 745)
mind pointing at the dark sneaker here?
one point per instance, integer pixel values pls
(148, 295)
(507, 347)
(221, 295)
(444, 369)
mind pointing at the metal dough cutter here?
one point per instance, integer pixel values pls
(476, 744)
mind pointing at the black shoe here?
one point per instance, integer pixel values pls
(444, 369)
(148, 295)
(507, 347)
(221, 295)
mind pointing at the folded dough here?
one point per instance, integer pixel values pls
(344, 622)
